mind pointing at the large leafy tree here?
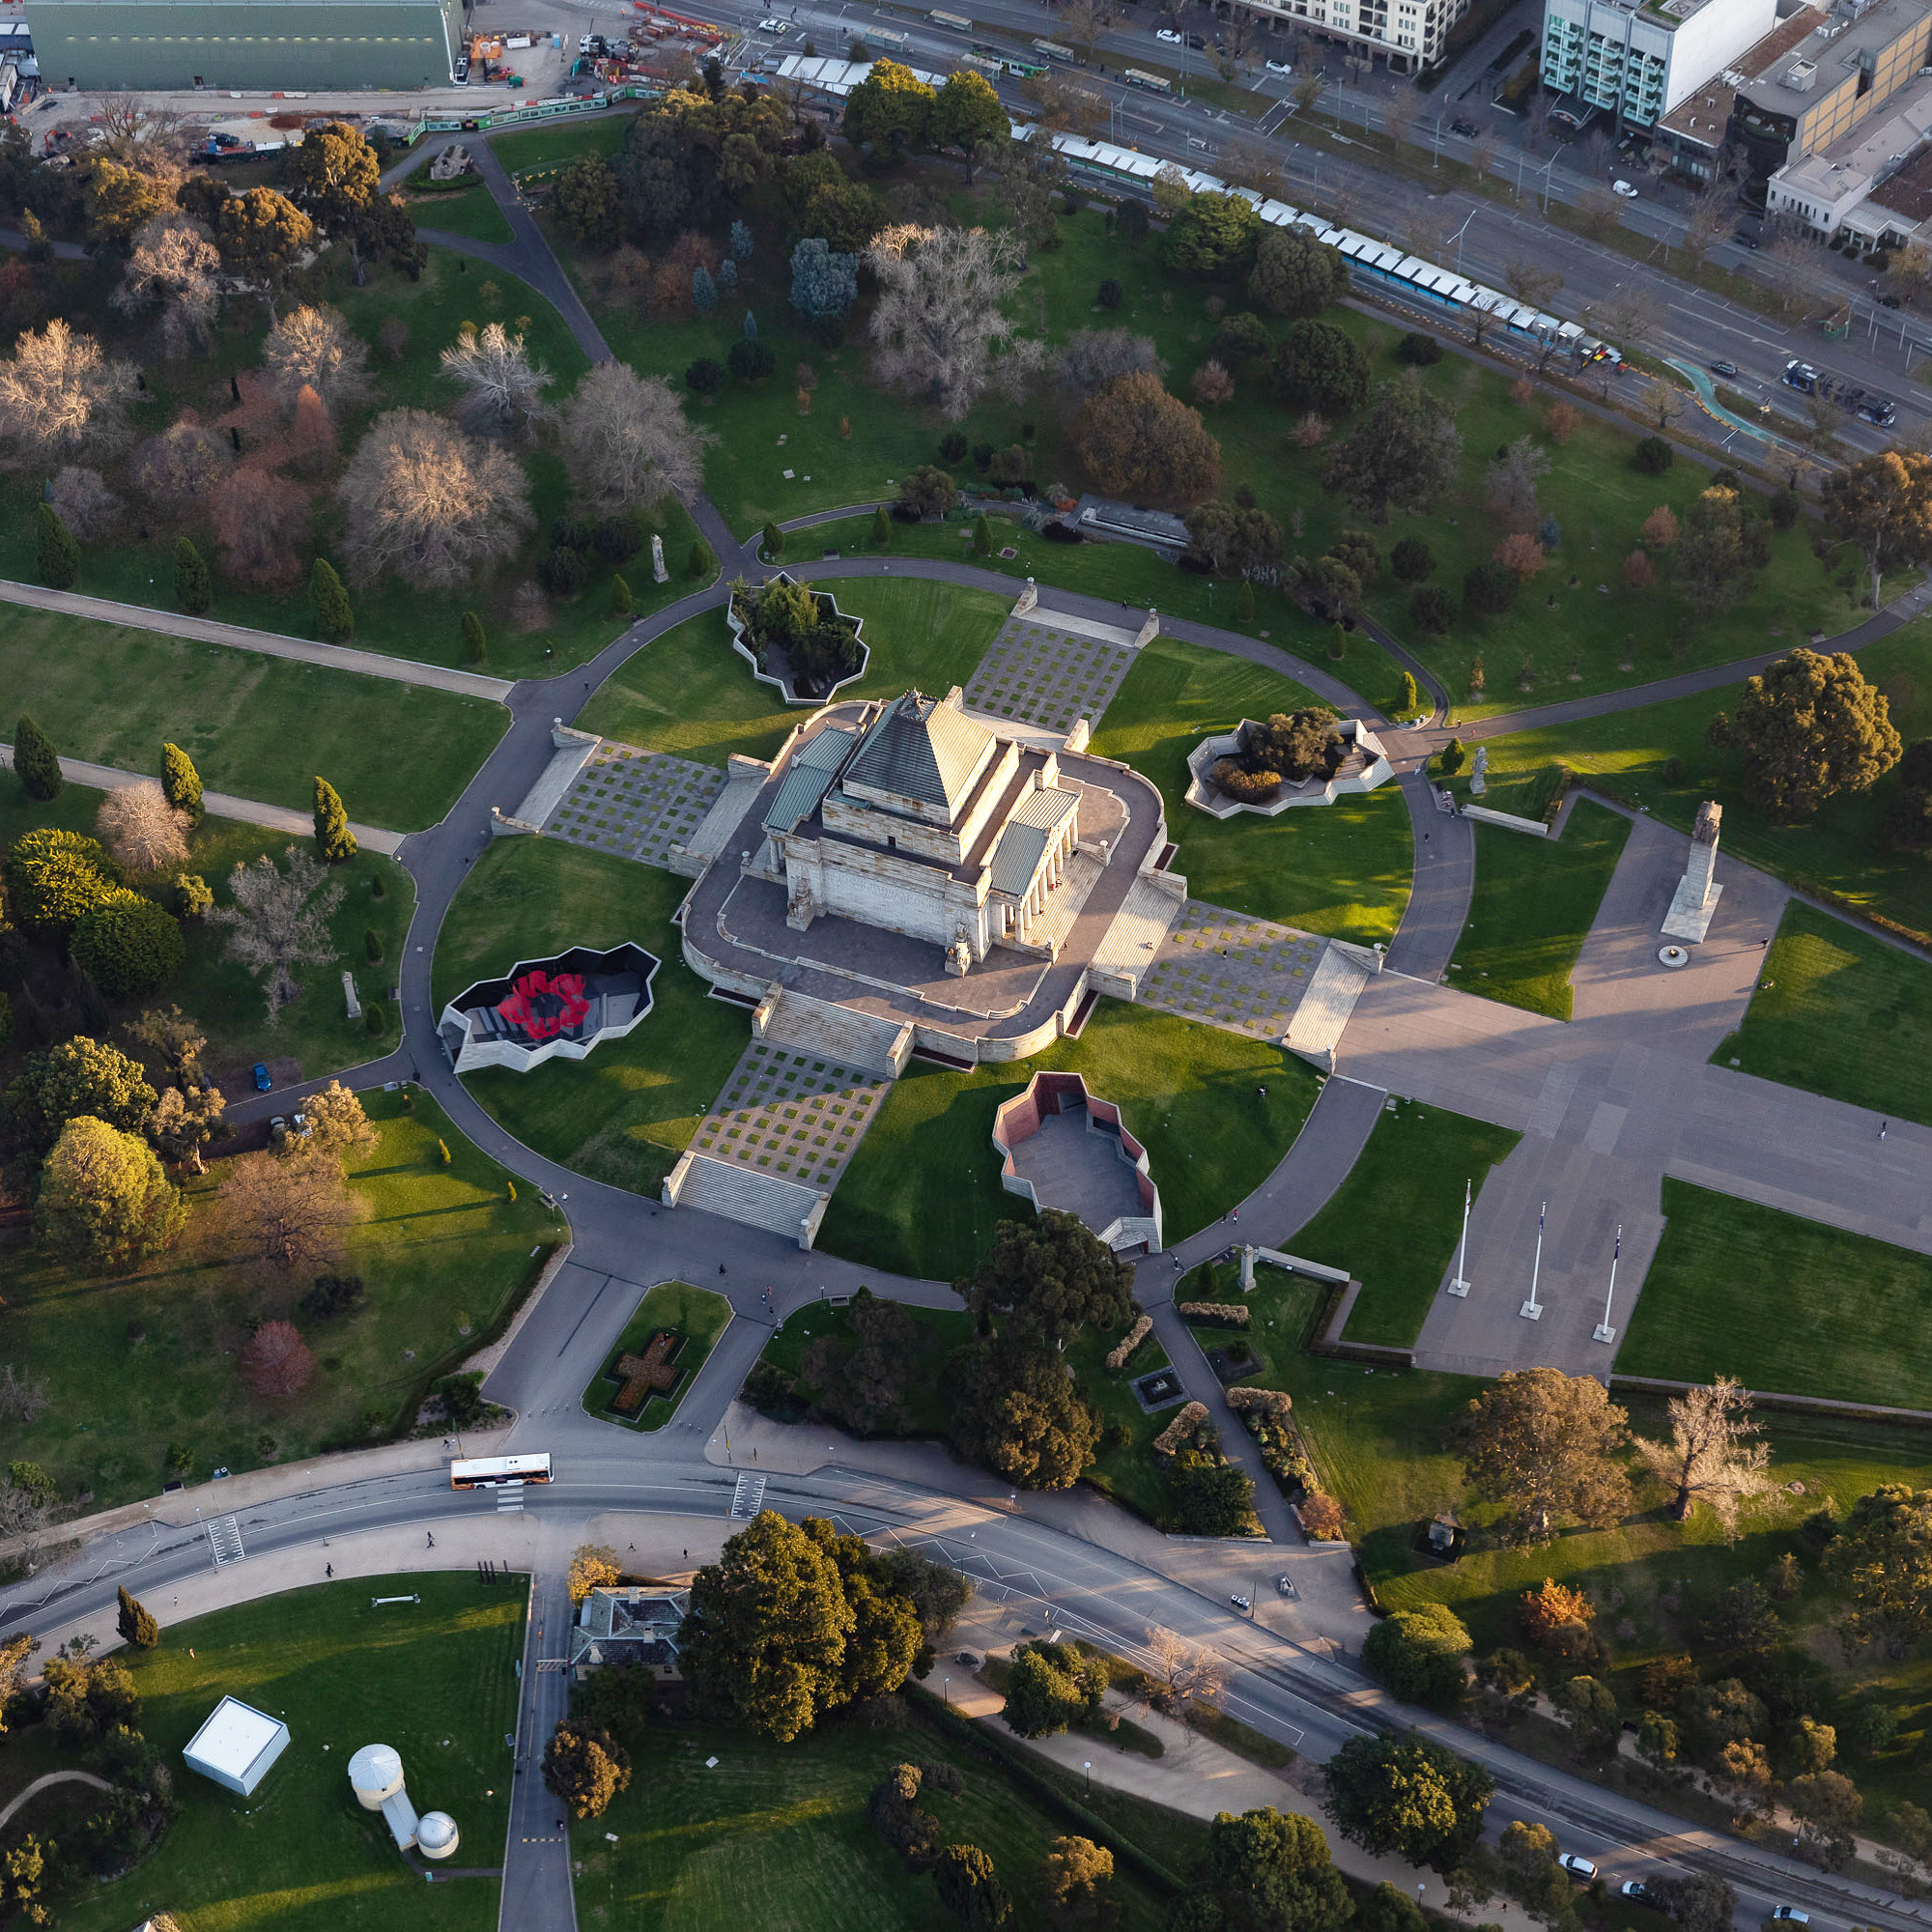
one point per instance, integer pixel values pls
(1137, 441)
(1050, 1278)
(1402, 454)
(1418, 1653)
(1882, 505)
(1317, 367)
(969, 1887)
(259, 232)
(1212, 234)
(1883, 1559)
(1410, 1796)
(1051, 1686)
(1296, 276)
(333, 176)
(1018, 1411)
(588, 197)
(585, 1766)
(1076, 1879)
(967, 113)
(1266, 1869)
(104, 1203)
(1719, 552)
(890, 110)
(75, 1077)
(766, 1636)
(1810, 725)
(886, 1643)
(1544, 1444)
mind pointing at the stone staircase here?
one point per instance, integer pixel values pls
(1336, 984)
(747, 1197)
(834, 1032)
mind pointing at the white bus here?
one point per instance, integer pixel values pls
(1152, 82)
(488, 1472)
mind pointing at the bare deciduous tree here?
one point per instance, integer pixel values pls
(430, 504)
(1598, 211)
(1180, 1672)
(279, 921)
(174, 263)
(315, 346)
(627, 443)
(503, 387)
(1714, 1456)
(1510, 486)
(182, 463)
(83, 501)
(939, 327)
(290, 1213)
(262, 523)
(276, 1361)
(1091, 359)
(22, 1398)
(1532, 282)
(59, 396)
(1398, 115)
(1704, 226)
(26, 1511)
(141, 133)
(143, 831)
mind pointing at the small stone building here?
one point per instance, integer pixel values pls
(624, 1623)
(921, 820)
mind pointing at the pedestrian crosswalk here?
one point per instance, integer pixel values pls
(224, 1541)
(749, 1498)
(509, 1497)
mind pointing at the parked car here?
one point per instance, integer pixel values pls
(1888, 302)
(1743, 238)
(1284, 68)
(1723, 368)
(262, 1081)
(1240, 1603)
(1168, 35)
(1466, 128)
(1790, 1915)
(460, 73)
(1579, 1869)
(1635, 1890)
(1623, 188)
(777, 28)
(1195, 42)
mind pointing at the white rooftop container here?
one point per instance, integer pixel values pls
(237, 1745)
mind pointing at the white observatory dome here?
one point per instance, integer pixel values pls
(375, 1772)
(436, 1835)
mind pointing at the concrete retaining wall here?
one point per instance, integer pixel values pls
(1508, 820)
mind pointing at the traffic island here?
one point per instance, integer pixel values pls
(657, 1357)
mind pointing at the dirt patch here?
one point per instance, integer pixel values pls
(238, 1083)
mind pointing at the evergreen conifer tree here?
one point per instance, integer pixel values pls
(622, 601)
(983, 535)
(57, 553)
(181, 782)
(137, 1622)
(882, 528)
(702, 563)
(36, 761)
(473, 643)
(334, 617)
(773, 542)
(195, 582)
(334, 842)
(1244, 603)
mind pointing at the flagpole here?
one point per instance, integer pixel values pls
(1532, 1309)
(1461, 1284)
(1604, 1332)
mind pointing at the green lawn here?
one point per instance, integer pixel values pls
(1395, 1222)
(530, 149)
(1340, 870)
(434, 1679)
(258, 727)
(1782, 1303)
(1570, 633)
(314, 1031)
(469, 211)
(923, 1193)
(137, 567)
(936, 1333)
(1841, 1012)
(1125, 1470)
(689, 693)
(1629, 755)
(1532, 908)
(624, 1114)
(719, 1828)
(136, 1363)
(697, 1314)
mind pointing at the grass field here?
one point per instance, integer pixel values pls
(434, 1679)
(136, 566)
(469, 211)
(625, 1114)
(936, 1333)
(1128, 1471)
(923, 1194)
(1629, 755)
(1782, 1303)
(533, 147)
(1394, 1223)
(1339, 870)
(768, 1836)
(258, 727)
(1532, 908)
(138, 1363)
(689, 693)
(698, 1314)
(1841, 1012)
(315, 1030)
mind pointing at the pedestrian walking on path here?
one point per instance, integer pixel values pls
(1882, 1127)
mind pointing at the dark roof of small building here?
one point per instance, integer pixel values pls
(924, 749)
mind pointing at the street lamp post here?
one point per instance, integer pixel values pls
(1460, 233)
(1086, 1765)
(1435, 144)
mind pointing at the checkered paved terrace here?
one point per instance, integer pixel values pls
(636, 804)
(1226, 970)
(790, 1116)
(1042, 674)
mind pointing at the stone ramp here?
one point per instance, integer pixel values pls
(572, 751)
(1153, 902)
(1315, 1029)
(751, 1199)
(845, 1037)
(1247, 976)
(744, 778)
